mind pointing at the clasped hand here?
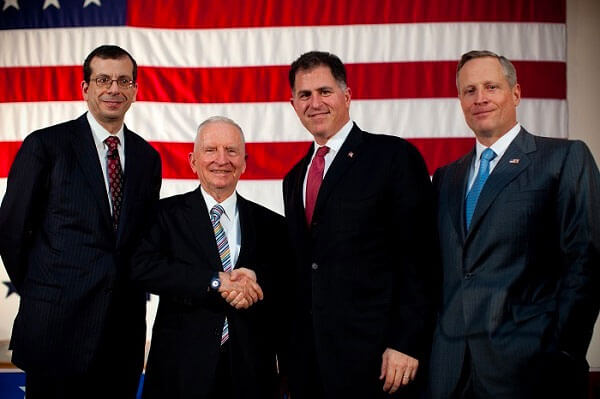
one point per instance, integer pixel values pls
(239, 288)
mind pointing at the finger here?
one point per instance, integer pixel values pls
(389, 379)
(243, 304)
(406, 377)
(413, 373)
(383, 368)
(231, 296)
(238, 298)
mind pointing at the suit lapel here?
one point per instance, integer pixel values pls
(132, 176)
(456, 194)
(87, 157)
(342, 162)
(504, 172)
(297, 199)
(199, 223)
(248, 232)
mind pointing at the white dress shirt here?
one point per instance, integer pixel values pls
(230, 220)
(334, 144)
(499, 147)
(100, 134)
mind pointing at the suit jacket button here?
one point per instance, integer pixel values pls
(314, 266)
(468, 276)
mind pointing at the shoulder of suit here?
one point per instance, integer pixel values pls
(138, 140)
(168, 204)
(58, 134)
(259, 212)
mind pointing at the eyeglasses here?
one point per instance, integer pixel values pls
(105, 82)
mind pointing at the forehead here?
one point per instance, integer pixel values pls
(481, 69)
(219, 133)
(318, 76)
(109, 66)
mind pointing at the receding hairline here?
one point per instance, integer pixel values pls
(218, 119)
(508, 69)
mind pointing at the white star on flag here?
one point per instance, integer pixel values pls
(11, 3)
(48, 3)
(88, 2)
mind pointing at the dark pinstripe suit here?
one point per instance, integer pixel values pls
(60, 251)
(521, 286)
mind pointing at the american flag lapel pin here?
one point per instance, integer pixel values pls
(351, 154)
(514, 161)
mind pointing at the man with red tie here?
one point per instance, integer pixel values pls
(79, 194)
(359, 209)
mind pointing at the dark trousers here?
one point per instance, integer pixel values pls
(223, 385)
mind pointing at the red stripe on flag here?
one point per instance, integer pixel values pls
(208, 14)
(269, 160)
(434, 79)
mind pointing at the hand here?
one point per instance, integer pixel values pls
(239, 288)
(397, 369)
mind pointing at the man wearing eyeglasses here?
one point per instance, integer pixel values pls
(78, 196)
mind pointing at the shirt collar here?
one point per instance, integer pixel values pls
(100, 133)
(335, 142)
(229, 204)
(501, 145)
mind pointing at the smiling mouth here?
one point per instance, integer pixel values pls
(479, 113)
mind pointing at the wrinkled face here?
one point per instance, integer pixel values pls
(109, 104)
(486, 98)
(321, 104)
(219, 159)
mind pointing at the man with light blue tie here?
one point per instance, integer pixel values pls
(518, 225)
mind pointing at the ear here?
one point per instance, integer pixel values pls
(192, 161)
(84, 89)
(347, 96)
(135, 90)
(516, 94)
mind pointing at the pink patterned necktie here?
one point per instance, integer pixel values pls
(115, 177)
(313, 181)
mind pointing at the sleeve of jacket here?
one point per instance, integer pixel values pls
(22, 206)
(578, 217)
(416, 256)
(159, 273)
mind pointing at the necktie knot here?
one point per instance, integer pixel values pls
(216, 212)
(112, 142)
(488, 154)
(322, 151)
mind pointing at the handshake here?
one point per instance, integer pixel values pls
(239, 288)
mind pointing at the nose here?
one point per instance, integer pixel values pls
(114, 87)
(315, 100)
(221, 157)
(480, 97)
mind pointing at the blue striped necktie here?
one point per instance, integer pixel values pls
(224, 253)
(484, 171)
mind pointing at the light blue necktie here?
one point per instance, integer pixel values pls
(484, 171)
(224, 253)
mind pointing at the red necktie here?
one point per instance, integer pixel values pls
(115, 177)
(313, 182)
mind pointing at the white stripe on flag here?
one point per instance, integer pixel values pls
(280, 46)
(277, 122)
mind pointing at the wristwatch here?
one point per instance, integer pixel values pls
(215, 283)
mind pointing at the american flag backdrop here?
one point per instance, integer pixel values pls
(231, 57)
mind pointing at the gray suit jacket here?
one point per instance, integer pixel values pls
(522, 283)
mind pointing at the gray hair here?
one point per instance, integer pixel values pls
(510, 73)
(219, 119)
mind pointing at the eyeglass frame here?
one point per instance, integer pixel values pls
(128, 85)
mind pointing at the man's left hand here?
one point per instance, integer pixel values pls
(397, 369)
